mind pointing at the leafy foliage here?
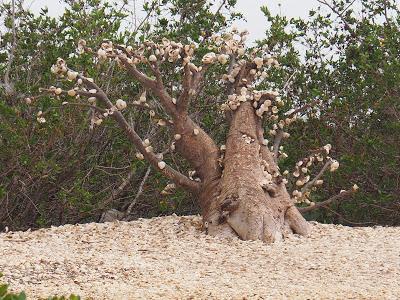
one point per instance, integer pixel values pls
(346, 56)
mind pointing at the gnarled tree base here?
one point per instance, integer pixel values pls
(251, 200)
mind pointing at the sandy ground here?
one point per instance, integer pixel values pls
(170, 258)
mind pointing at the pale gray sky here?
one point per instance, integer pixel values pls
(249, 8)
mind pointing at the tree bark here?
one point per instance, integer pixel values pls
(250, 200)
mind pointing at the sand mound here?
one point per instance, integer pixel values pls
(170, 258)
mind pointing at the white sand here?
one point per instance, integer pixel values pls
(170, 258)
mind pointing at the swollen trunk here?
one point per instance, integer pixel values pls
(250, 200)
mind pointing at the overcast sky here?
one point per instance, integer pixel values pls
(249, 8)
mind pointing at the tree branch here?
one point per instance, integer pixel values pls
(169, 172)
(310, 184)
(115, 193)
(340, 15)
(155, 86)
(302, 108)
(325, 203)
(140, 191)
(277, 142)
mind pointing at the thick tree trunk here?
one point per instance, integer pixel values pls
(250, 200)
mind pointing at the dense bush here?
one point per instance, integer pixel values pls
(347, 57)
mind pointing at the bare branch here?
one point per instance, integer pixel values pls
(115, 193)
(155, 86)
(99, 109)
(303, 108)
(140, 191)
(340, 15)
(169, 172)
(325, 203)
(311, 183)
(277, 143)
(184, 97)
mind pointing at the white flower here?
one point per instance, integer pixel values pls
(240, 51)
(161, 122)
(146, 142)
(284, 155)
(196, 131)
(120, 104)
(58, 91)
(102, 54)
(152, 58)
(54, 69)
(161, 164)
(267, 103)
(259, 62)
(41, 119)
(149, 149)
(143, 97)
(334, 166)
(209, 58)
(72, 75)
(28, 101)
(177, 137)
(327, 148)
(139, 156)
(72, 93)
(319, 182)
(223, 58)
(92, 99)
(355, 187)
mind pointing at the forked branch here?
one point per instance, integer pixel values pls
(340, 196)
(168, 171)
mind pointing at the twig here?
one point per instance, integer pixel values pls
(309, 184)
(140, 191)
(340, 15)
(302, 108)
(167, 170)
(327, 202)
(277, 142)
(115, 194)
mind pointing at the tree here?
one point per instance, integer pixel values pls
(62, 172)
(239, 186)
